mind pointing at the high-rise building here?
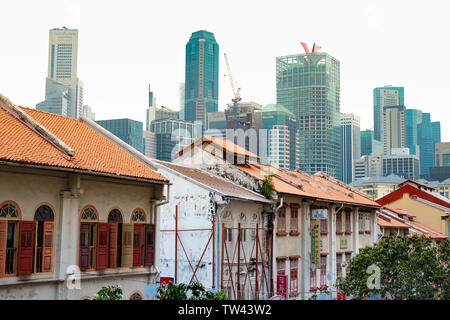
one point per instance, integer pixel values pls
(202, 76)
(394, 128)
(129, 131)
(442, 154)
(62, 71)
(369, 145)
(216, 124)
(280, 143)
(308, 85)
(171, 136)
(436, 132)
(413, 119)
(385, 97)
(425, 139)
(351, 145)
(57, 98)
(182, 98)
(404, 165)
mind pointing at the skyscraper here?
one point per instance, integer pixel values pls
(202, 76)
(394, 128)
(351, 145)
(308, 85)
(385, 97)
(369, 145)
(62, 70)
(413, 119)
(128, 130)
(436, 132)
(425, 134)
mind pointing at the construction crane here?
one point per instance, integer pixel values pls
(236, 96)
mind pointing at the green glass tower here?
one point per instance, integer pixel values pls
(202, 76)
(308, 85)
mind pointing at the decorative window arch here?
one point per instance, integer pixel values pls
(115, 215)
(89, 214)
(136, 295)
(138, 216)
(44, 212)
(10, 210)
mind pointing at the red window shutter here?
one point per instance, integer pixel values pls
(85, 252)
(113, 230)
(149, 245)
(102, 245)
(26, 246)
(339, 222)
(3, 234)
(137, 245)
(47, 250)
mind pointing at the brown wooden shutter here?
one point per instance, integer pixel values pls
(149, 245)
(102, 245)
(26, 246)
(137, 245)
(85, 252)
(127, 245)
(47, 247)
(3, 235)
(113, 228)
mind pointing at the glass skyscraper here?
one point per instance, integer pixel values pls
(369, 145)
(129, 131)
(202, 76)
(308, 85)
(386, 96)
(351, 145)
(413, 119)
(425, 139)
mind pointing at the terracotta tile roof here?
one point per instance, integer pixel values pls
(219, 184)
(391, 223)
(93, 153)
(400, 211)
(416, 183)
(303, 184)
(220, 143)
(431, 233)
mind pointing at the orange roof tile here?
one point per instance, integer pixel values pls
(431, 233)
(400, 211)
(391, 223)
(303, 184)
(93, 152)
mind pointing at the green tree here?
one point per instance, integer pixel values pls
(109, 293)
(194, 291)
(267, 186)
(409, 268)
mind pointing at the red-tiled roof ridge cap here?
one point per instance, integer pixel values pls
(31, 123)
(292, 183)
(332, 180)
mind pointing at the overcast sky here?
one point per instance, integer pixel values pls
(125, 45)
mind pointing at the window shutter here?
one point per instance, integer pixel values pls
(127, 245)
(102, 245)
(137, 245)
(85, 252)
(113, 229)
(26, 244)
(149, 245)
(47, 248)
(3, 234)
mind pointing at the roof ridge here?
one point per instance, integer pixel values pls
(34, 125)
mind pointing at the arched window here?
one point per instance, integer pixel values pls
(43, 247)
(138, 216)
(9, 233)
(136, 296)
(115, 216)
(88, 227)
(115, 238)
(9, 211)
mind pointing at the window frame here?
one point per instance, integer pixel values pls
(294, 223)
(281, 221)
(16, 234)
(93, 234)
(293, 281)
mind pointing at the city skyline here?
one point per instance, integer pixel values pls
(374, 62)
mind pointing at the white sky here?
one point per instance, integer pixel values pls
(125, 45)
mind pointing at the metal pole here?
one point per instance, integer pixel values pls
(223, 250)
(257, 283)
(176, 242)
(214, 251)
(239, 263)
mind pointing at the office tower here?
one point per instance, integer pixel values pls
(88, 113)
(57, 98)
(62, 70)
(436, 132)
(281, 138)
(442, 154)
(425, 140)
(129, 131)
(401, 164)
(413, 119)
(369, 145)
(369, 166)
(308, 85)
(351, 145)
(182, 98)
(202, 76)
(394, 128)
(216, 124)
(171, 135)
(151, 109)
(386, 96)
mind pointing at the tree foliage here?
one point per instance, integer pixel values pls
(194, 291)
(267, 186)
(410, 268)
(109, 293)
